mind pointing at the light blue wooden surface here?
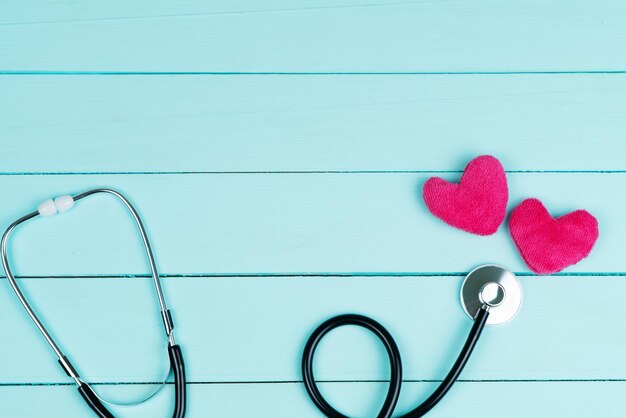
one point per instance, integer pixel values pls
(357, 35)
(312, 123)
(372, 223)
(277, 200)
(571, 399)
(537, 346)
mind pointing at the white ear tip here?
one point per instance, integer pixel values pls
(47, 208)
(64, 203)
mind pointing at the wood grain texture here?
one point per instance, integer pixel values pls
(31, 12)
(310, 123)
(229, 224)
(355, 36)
(276, 151)
(519, 400)
(254, 329)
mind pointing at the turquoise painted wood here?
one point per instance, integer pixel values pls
(290, 224)
(277, 200)
(311, 123)
(237, 330)
(554, 399)
(360, 35)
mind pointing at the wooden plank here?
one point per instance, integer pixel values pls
(313, 123)
(50, 11)
(287, 223)
(251, 329)
(517, 400)
(355, 36)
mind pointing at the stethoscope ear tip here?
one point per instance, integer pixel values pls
(494, 288)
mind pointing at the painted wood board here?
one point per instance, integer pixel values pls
(311, 123)
(277, 151)
(359, 36)
(230, 224)
(251, 329)
(516, 399)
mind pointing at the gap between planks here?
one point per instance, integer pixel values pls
(304, 73)
(298, 382)
(108, 173)
(305, 275)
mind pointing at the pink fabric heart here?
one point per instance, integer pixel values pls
(548, 244)
(477, 204)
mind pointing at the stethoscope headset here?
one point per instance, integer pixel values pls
(490, 295)
(177, 367)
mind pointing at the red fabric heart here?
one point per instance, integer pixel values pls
(548, 244)
(477, 204)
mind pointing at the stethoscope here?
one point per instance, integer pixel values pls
(62, 204)
(490, 295)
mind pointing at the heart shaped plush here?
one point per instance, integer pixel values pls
(477, 204)
(548, 244)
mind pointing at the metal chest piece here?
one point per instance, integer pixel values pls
(495, 287)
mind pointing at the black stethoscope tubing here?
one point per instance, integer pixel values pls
(395, 383)
(178, 368)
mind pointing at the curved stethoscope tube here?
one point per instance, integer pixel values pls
(174, 351)
(487, 288)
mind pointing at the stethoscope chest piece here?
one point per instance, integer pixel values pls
(494, 286)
